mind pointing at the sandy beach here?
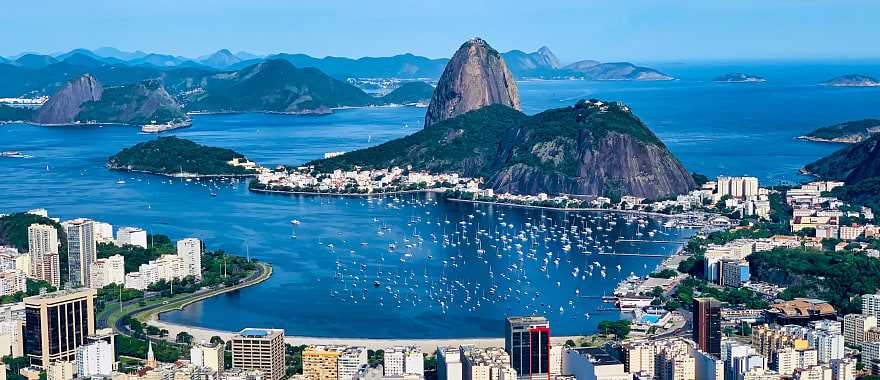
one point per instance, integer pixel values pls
(427, 345)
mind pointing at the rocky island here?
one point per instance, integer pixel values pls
(738, 78)
(850, 132)
(177, 157)
(852, 80)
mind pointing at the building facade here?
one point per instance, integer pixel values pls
(81, 250)
(527, 341)
(260, 349)
(707, 325)
(57, 323)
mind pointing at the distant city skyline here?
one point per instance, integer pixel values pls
(640, 31)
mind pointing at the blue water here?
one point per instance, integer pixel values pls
(714, 129)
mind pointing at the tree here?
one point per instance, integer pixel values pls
(184, 337)
(620, 328)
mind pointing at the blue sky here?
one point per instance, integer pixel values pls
(635, 30)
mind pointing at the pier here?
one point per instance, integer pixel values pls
(632, 254)
(648, 241)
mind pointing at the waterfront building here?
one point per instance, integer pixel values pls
(190, 252)
(131, 236)
(707, 325)
(60, 370)
(95, 359)
(588, 363)
(527, 341)
(855, 326)
(737, 187)
(81, 250)
(166, 267)
(350, 360)
(108, 271)
(321, 362)
(448, 363)
(404, 361)
(134, 280)
(208, 355)
(260, 349)
(103, 232)
(486, 364)
(639, 358)
(57, 323)
(556, 360)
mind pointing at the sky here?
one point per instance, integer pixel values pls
(632, 30)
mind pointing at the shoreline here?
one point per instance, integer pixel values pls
(426, 344)
(830, 141)
(314, 193)
(181, 175)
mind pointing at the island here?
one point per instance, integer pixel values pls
(177, 157)
(850, 132)
(738, 78)
(852, 80)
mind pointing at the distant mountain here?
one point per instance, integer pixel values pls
(738, 78)
(405, 66)
(852, 80)
(410, 92)
(475, 77)
(581, 66)
(66, 104)
(158, 60)
(109, 52)
(275, 86)
(83, 60)
(849, 132)
(140, 103)
(35, 61)
(539, 64)
(592, 148)
(245, 56)
(617, 71)
(221, 59)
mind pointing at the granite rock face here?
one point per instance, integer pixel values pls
(475, 77)
(63, 107)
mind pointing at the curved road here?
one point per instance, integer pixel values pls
(265, 270)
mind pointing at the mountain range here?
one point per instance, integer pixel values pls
(40, 74)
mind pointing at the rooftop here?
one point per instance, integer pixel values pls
(596, 355)
(259, 333)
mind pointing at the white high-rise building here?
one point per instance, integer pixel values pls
(190, 252)
(404, 360)
(208, 355)
(787, 360)
(11, 339)
(843, 369)
(131, 236)
(829, 346)
(871, 304)
(737, 187)
(855, 326)
(81, 250)
(43, 254)
(448, 363)
(108, 271)
(350, 359)
(12, 281)
(103, 232)
(95, 359)
(42, 239)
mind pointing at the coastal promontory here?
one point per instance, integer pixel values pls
(175, 156)
(849, 132)
(738, 78)
(475, 77)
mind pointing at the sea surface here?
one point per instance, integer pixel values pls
(335, 274)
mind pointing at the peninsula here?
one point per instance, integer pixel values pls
(849, 132)
(177, 157)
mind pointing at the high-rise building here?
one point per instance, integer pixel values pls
(259, 349)
(486, 364)
(81, 250)
(11, 338)
(448, 363)
(639, 359)
(190, 252)
(588, 363)
(855, 326)
(527, 341)
(108, 271)
(60, 370)
(787, 360)
(95, 359)
(131, 236)
(707, 325)
(12, 281)
(57, 323)
(321, 362)
(350, 359)
(871, 304)
(843, 369)
(404, 361)
(674, 361)
(43, 251)
(208, 355)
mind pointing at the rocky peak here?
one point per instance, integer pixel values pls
(63, 107)
(549, 58)
(475, 77)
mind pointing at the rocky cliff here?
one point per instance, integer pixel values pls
(140, 103)
(63, 107)
(475, 77)
(592, 148)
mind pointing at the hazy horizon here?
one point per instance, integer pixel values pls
(646, 31)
